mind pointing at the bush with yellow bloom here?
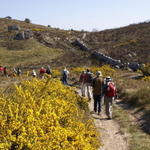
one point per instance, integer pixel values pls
(42, 115)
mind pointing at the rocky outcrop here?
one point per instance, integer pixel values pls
(14, 28)
(27, 34)
(80, 44)
(116, 63)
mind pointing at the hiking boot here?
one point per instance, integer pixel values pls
(109, 118)
(99, 113)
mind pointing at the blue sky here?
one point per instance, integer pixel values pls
(78, 14)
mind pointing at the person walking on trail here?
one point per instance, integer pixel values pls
(81, 80)
(97, 85)
(34, 74)
(5, 72)
(88, 82)
(65, 74)
(49, 70)
(1, 70)
(110, 93)
(17, 71)
(42, 72)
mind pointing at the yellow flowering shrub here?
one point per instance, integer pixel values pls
(56, 73)
(105, 69)
(38, 29)
(45, 115)
(146, 78)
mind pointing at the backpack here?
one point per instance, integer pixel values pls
(48, 71)
(89, 78)
(65, 74)
(111, 90)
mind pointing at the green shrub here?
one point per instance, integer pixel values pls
(27, 20)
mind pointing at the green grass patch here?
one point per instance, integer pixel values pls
(27, 52)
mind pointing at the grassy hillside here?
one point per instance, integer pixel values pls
(49, 45)
(129, 43)
(26, 53)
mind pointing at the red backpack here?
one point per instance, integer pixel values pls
(111, 90)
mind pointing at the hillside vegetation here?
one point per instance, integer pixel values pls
(129, 43)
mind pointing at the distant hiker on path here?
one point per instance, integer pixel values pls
(81, 80)
(18, 71)
(110, 93)
(65, 74)
(42, 72)
(1, 70)
(97, 85)
(34, 74)
(88, 81)
(49, 70)
(5, 72)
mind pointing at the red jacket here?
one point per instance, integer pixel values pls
(1, 69)
(111, 90)
(42, 71)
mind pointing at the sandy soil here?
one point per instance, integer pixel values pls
(111, 136)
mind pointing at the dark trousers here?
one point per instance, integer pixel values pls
(64, 80)
(97, 103)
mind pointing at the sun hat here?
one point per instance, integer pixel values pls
(99, 73)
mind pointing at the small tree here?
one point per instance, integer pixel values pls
(49, 26)
(8, 17)
(27, 20)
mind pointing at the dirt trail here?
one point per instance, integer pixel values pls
(111, 136)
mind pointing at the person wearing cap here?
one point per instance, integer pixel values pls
(97, 85)
(65, 74)
(110, 93)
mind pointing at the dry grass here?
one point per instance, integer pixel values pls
(137, 139)
(28, 52)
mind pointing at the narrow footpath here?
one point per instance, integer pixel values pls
(110, 135)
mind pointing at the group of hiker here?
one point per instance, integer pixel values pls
(4, 71)
(17, 71)
(97, 87)
(100, 88)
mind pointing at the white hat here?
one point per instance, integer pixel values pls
(99, 73)
(108, 78)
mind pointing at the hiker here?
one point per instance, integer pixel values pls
(1, 70)
(42, 72)
(88, 81)
(110, 93)
(97, 85)
(65, 74)
(81, 80)
(18, 71)
(48, 70)
(5, 72)
(34, 74)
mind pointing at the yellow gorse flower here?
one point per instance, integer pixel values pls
(44, 114)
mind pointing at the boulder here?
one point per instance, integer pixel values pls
(19, 36)
(80, 45)
(14, 28)
(28, 34)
